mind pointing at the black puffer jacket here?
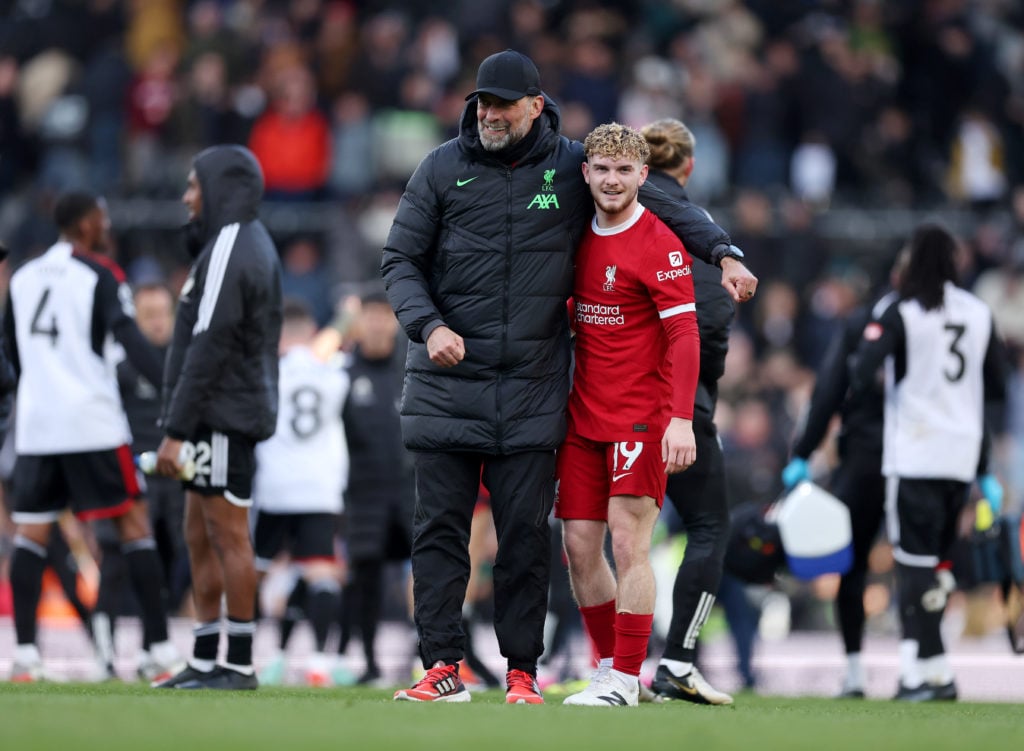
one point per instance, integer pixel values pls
(487, 250)
(221, 370)
(715, 311)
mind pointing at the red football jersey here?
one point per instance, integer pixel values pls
(637, 345)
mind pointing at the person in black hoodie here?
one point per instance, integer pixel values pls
(220, 395)
(479, 266)
(699, 493)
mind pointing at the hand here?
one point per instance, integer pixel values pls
(678, 445)
(795, 472)
(992, 489)
(737, 279)
(445, 347)
(167, 457)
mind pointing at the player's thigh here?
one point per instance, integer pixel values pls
(581, 480)
(225, 466)
(637, 469)
(270, 533)
(920, 513)
(102, 484)
(39, 492)
(313, 538)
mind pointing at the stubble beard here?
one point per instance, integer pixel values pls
(512, 136)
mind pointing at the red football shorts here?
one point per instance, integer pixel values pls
(589, 473)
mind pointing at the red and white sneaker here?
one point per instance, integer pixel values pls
(441, 683)
(522, 688)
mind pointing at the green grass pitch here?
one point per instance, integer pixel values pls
(110, 717)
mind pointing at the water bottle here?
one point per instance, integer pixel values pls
(146, 462)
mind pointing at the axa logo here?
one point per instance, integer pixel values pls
(609, 278)
(676, 258)
(544, 201)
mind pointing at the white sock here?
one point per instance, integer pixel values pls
(203, 666)
(605, 662)
(27, 654)
(910, 675)
(936, 670)
(164, 652)
(243, 669)
(625, 679)
(854, 671)
(678, 668)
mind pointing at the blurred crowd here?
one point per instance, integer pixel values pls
(801, 111)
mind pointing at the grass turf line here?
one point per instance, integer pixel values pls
(109, 717)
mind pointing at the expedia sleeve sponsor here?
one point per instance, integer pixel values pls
(668, 276)
(599, 315)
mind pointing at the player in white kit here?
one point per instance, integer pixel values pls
(301, 473)
(943, 362)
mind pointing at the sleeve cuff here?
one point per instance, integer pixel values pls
(428, 329)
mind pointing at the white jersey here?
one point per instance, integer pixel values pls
(64, 305)
(934, 414)
(303, 467)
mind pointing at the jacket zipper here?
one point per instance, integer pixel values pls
(499, 432)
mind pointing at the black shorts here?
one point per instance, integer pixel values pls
(94, 484)
(306, 537)
(225, 465)
(921, 516)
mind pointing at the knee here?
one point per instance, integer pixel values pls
(629, 551)
(582, 548)
(226, 538)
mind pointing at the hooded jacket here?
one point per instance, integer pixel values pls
(487, 248)
(221, 369)
(715, 311)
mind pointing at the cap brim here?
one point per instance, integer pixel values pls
(507, 94)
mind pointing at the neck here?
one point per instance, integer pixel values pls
(679, 174)
(609, 221)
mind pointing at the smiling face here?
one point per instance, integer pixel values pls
(614, 184)
(503, 122)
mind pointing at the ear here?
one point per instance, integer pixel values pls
(536, 107)
(688, 167)
(644, 171)
(586, 173)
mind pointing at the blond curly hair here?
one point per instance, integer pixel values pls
(616, 140)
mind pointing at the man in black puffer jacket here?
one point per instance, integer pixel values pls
(479, 265)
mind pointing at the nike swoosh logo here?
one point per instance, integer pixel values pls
(616, 478)
(460, 183)
(682, 686)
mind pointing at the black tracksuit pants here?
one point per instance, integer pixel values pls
(859, 484)
(522, 488)
(699, 495)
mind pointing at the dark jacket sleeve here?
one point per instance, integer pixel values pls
(221, 311)
(409, 253)
(830, 388)
(8, 380)
(881, 338)
(115, 313)
(691, 224)
(10, 343)
(995, 369)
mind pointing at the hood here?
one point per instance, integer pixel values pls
(232, 185)
(550, 119)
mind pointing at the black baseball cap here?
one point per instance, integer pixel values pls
(509, 75)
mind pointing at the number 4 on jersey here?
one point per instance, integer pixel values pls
(53, 332)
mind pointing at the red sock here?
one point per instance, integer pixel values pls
(632, 632)
(599, 620)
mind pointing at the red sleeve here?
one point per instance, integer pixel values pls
(669, 279)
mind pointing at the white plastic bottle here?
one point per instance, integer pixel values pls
(146, 461)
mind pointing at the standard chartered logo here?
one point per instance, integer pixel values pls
(599, 315)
